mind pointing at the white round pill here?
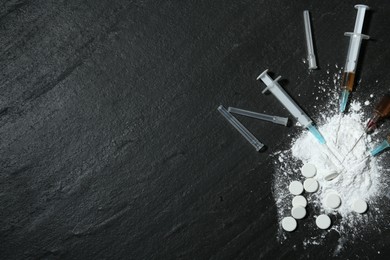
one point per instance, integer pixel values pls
(310, 185)
(332, 200)
(289, 224)
(299, 201)
(298, 212)
(295, 188)
(323, 221)
(330, 175)
(359, 206)
(308, 170)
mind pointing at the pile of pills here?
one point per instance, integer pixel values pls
(310, 185)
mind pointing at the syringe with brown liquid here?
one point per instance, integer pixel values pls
(352, 56)
(381, 110)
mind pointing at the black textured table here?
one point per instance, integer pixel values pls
(111, 144)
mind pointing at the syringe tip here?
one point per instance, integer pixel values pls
(382, 146)
(316, 134)
(343, 100)
(371, 125)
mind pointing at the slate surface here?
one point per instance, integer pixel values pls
(111, 145)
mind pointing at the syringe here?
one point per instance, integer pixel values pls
(241, 129)
(380, 111)
(352, 56)
(382, 146)
(274, 87)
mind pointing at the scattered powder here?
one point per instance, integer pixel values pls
(366, 103)
(372, 95)
(355, 106)
(361, 176)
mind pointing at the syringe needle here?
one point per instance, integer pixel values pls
(240, 128)
(334, 156)
(338, 129)
(353, 147)
(362, 161)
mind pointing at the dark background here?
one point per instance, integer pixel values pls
(110, 142)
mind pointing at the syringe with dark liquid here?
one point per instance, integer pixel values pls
(352, 56)
(381, 110)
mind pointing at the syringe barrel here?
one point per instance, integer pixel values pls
(353, 51)
(285, 99)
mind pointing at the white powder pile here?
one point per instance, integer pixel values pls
(361, 176)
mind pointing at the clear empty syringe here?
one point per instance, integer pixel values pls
(274, 87)
(241, 129)
(355, 41)
(274, 119)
